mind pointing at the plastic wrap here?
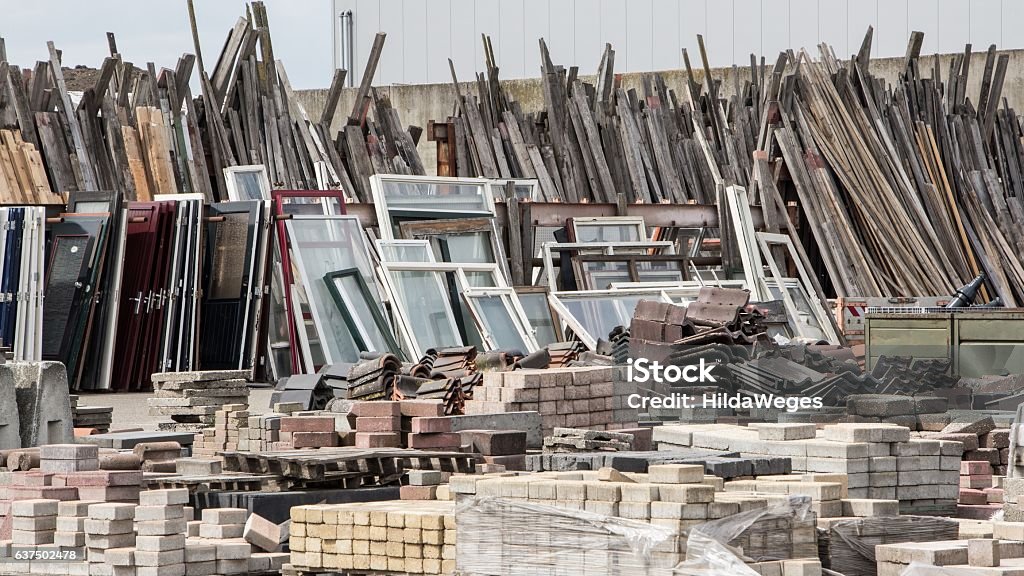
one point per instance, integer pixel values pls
(848, 546)
(501, 537)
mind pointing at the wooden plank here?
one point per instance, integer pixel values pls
(333, 96)
(87, 172)
(362, 101)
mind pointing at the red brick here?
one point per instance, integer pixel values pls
(968, 468)
(375, 409)
(643, 437)
(979, 512)
(426, 424)
(418, 492)
(441, 440)
(422, 408)
(378, 440)
(307, 424)
(50, 492)
(314, 439)
(104, 478)
(495, 442)
(516, 462)
(971, 496)
(994, 495)
(378, 424)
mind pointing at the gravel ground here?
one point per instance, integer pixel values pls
(130, 410)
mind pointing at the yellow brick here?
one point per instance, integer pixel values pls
(396, 564)
(411, 536)
(413, 551)
(448, 566)
(413, 520)
(431, 566)
(432, 537)
(449, 522)
(360, 547)
(430, 551)
(330, 546)
(343, 547)
(298, 513)
(449, 536)
(298, 558)
(378, 548)
(345, 517)
(331, 561)
(431, 522)
(360, 518)
(396, 520)
(448, 552)
(378, 533)
(314, 545)
(413, 565)
(315, 530)
(395, 534)
(298, 529)
(345, 562)
(378, 518)
(361, 562)
(314, 515)
(330, 515)
(315, 559)
(297, 544)
(378, 562)
(395, 549)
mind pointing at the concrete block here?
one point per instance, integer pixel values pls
(675, 474)
(163, 558)
(197, 466)
(160, 543)
(144, 513)
(529, 422)
(108, 527)
(233, 550)
(34, 507)
(169, 497)
(161, 527)
(786, 431)
(221, 530)
(495, 442)
(264, 534)
(42, 403)
(863, 508)
(983, 552)
(112, 511)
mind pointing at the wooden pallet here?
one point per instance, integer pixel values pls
(215, 482)
(343, 464)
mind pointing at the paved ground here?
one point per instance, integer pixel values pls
(130, 410)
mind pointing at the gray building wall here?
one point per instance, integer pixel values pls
(418, 104)
(649, 34)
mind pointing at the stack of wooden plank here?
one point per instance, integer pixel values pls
(22, 177)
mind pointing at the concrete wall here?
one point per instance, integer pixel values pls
(418, 104)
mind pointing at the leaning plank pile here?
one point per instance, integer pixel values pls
(908, 189)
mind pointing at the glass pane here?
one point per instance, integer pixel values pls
(311, 206)
(321, 246)
(471, 247)
(497, 320)
(607, 233)
(481, 280)
(394, 252)
(539, 314)
(659, 272)
(434, 197)
(362, 314)
(424, 300)
(600, 275)
(227, 238)
(599, 315)
(250, 185)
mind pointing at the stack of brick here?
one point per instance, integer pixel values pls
(263, 431)
(423, 484)
(583, 397)
(306, 432)
(103, 485)
(110, 525)
(227, 428)
(71, 523)
(35, 522)
(881, 461)
(393, 537)
(377, 424)
(505, 448)
(36, 485)
(223, 528)
(1005, 552)
(90, 420)
(975, 482)
(191, 399)
(982, 441)
(913, 412)
(433, 431)
(68, 458)
(160, 528)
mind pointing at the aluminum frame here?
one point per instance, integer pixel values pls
(765, 240)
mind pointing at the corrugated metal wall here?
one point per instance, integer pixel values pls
(649, 34)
